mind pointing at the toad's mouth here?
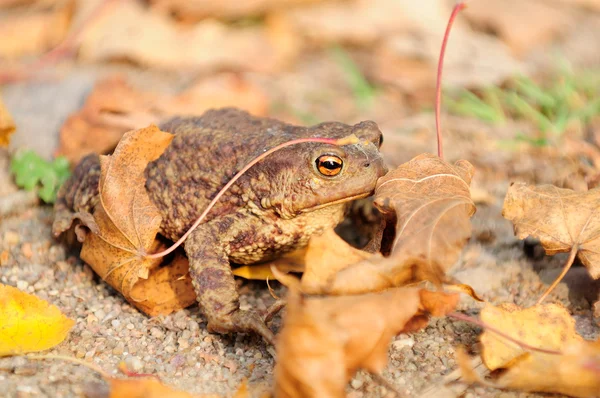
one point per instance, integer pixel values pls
(337, 202)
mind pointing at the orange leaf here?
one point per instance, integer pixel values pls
(7, 125)
(143, 388)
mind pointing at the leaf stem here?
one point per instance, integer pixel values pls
(566, 268)
(491, 328)
(438, 87)
(342, 141)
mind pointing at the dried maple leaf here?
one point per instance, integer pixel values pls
(560, 218)
(7, 125)
(574, 370)
(128, 223)
(324, 341)
(28, 323)
(115, 107)
(429, 201)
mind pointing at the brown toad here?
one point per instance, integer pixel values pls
(274, 208)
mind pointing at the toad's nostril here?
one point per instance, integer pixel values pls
(367, 164)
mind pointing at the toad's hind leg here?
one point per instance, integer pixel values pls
(215, 287)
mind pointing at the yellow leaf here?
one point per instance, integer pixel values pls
(29, 324)
(290, 262)
(572, 369)
(544, 326)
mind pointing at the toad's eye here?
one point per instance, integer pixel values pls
(329, 165)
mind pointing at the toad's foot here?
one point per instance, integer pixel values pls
(241, 321)
(215, 287)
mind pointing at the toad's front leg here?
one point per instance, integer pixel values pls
(215, 287)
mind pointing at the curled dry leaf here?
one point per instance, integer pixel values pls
(114, 107)
(29, 324)
(324, 341)
(559, 218)
(128, 223)
(7, 125)
(429, 202)
(575, 372)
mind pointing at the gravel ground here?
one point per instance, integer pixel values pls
(178, 349)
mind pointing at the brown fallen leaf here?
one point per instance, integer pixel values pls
(34, 30)
(128, 223)
(196, 10)
(324, 341)
(562, 219)
(429, 202)
(574, 370)
(559, 218)
(115, 107)
(135, 33)
(325, 256)
(7, 125)
(145, 388)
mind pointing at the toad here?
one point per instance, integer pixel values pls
(274, 208)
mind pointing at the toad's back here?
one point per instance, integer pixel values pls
(207, 151)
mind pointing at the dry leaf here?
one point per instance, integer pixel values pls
(430, 201)
(324, 341)
(575, 372)
(195, 10)
(135, 33)
(559, 218)
(325, 256)
(115, 107)
(7, 125)
(29, 324)
(144, 388)
(128, 223)
(27, 31)
(545, 326)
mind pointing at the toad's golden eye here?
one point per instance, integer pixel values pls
(329, 165)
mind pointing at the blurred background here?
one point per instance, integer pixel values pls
(521, 77)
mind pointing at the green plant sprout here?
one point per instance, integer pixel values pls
(551, 108)
(364, 93)
(31, 172)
